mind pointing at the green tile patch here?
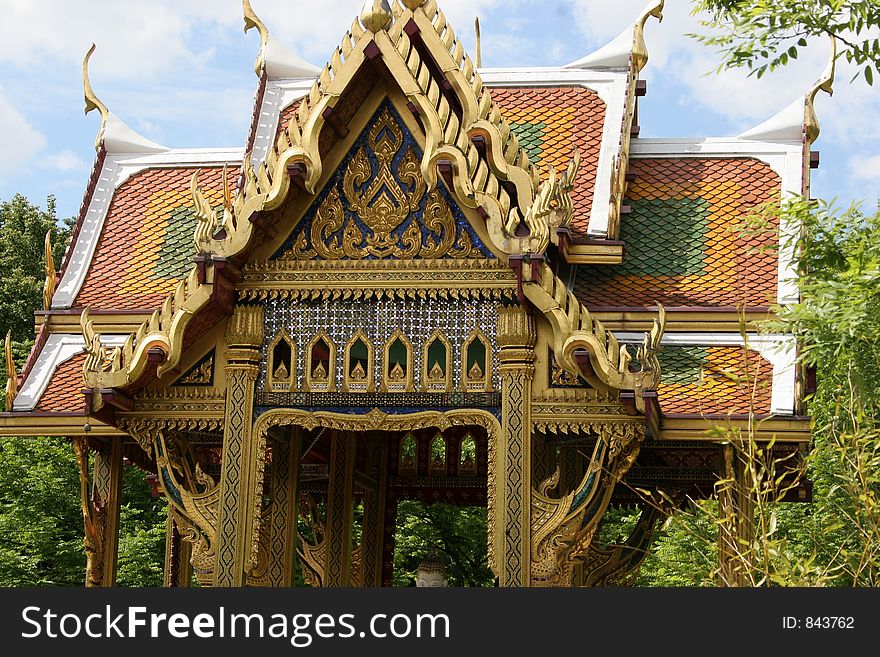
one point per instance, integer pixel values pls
(531, 137)
(664, 237)
(681, 365)
(175, 253)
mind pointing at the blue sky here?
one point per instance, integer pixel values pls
(181, 73)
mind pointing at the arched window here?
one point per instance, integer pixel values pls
(281, 372)
(359, 364)
(437, 464)
(436, 375)
(467, 456)
(398, 376)
(476, 371)
(321, 364)
(409, 454)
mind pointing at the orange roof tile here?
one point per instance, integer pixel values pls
(550, 123)
(714, 380)
(683, 244)
(146, 245)
(64, 392)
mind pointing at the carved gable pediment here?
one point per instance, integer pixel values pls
(377, 206)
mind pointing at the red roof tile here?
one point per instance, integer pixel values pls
(550, 123)
(714, 380)
(146, 245)
(684, 244)
(64, 392)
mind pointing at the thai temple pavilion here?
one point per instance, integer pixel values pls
(419, 278)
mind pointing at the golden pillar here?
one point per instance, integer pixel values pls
(373, 533)
(101, 499)
(340, 507)
(282, 516)
(107, 496)
(241, 475)
(516, 341)
(736, 510)
(178, 569)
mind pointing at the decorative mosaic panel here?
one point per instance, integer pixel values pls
(377, 205)
(379, 320)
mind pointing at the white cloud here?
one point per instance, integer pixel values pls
(65, 161)
(865, 167)
(20, 140)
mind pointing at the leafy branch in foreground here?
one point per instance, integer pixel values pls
(763, 35)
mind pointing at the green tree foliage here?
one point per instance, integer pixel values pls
(838, 321)
(41, 525)
(835, 540)
(141, 532)
(763, 35)
(457, 535)
(23, 228)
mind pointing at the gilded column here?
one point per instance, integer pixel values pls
(516, 341)
(340, 506)
(178, 569)
(100, 499)
(107, 496)
(374, 511)
(282, 518)
(241, 476)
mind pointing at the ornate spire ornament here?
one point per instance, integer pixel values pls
(479, 50)
(436, 373)
(281, 372)
(251, 20)
(476, 372)
(376, 15)
(51, 276)
(11, 374)
(824, 83)
(640, 48)
(92, 101)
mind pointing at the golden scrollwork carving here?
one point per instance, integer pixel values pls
(563, 528)
(201, 374)
(383, 197)
(193, 495)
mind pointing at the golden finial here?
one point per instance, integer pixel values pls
(824, 83)
(412, 5)
(376, 15)
(92, 101)
(252, 20)
(51, 276)
(436, 373)
(227, 195)
(640, 48)
(320, 372)
(11, 375)
(478, 48)
(358, 373)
